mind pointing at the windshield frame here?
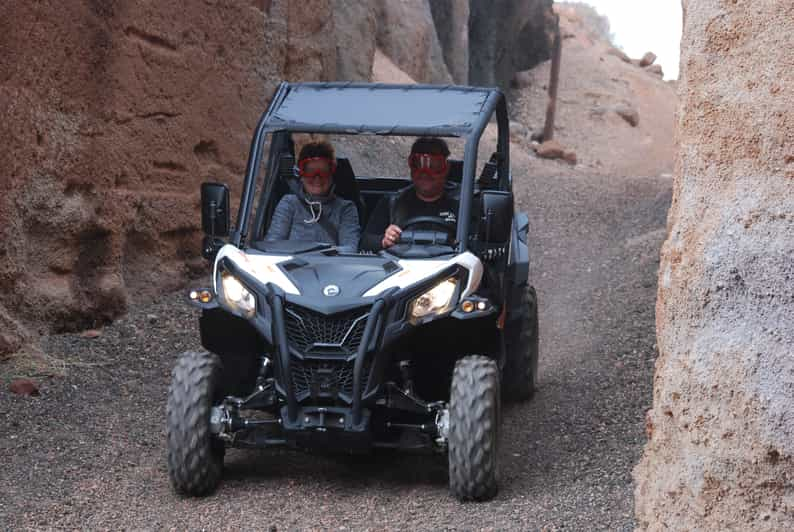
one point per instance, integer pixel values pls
(495, 104)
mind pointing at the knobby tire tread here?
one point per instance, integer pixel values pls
(521, 344)
(474, 428)
(195, 459)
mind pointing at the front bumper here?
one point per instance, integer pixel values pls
(321, 427)
(337, 372)
(330, 387)
(286, 377)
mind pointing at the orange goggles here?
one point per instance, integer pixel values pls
(430, 163)
(316, 167)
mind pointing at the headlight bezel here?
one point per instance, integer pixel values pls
(441, 307)
(244, 304)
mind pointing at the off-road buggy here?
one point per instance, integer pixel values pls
(322, 348)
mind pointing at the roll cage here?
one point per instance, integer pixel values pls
(379, 109)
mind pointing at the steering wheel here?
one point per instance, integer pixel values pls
(447, 227)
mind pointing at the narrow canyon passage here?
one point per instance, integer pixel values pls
(97, 435)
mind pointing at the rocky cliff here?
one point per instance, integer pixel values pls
(114, 112)
(508, 36)
(720, 453)
(617, 117)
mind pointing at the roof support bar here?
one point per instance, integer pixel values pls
(252, 168)
(470, 163)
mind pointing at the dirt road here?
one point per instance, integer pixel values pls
(89, 453)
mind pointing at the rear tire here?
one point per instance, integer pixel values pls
(521, 347)
(195, 457)
(474, 415)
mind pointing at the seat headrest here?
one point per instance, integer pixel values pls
(455, 170)
(344, 170)
(286, 166)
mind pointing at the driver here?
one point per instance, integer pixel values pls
(427, 197)
(313, 213)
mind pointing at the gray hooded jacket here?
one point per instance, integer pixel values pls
(296, 218)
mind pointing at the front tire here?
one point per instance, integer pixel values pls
(521, 347)
(195, 457)
(474, 412)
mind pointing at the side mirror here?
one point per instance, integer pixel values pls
(215, 209)
(496, 208)
(214, 217)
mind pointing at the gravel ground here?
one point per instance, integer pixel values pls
(90, 451)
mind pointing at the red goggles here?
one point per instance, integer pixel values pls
(430, 163)
(316, 167)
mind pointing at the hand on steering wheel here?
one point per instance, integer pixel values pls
(390, 236)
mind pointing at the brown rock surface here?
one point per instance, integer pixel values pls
(112, 116)
(620, 54)
(385, 71)
(522, 79)
(720, 455)
(91, 333)
(311, 42)
(355, 25)
(628, 113)
(113, 113)
(569, 157)
(23, 387)
(552, 149)
(589, 90)
(12, 333)
(518, 132)
(407, 35)
(451, 19)
(506, 36)
(656, 70)
(647, 59)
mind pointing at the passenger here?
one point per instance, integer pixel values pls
(314, 213)
(427, 196)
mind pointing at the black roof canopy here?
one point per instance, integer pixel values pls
(371, 108)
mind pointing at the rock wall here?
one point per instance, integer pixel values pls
(355, 27)
(407, 34)
(477, 42)
(451, 20)
(720, 453)
(114, 113)
(311, 45)
(507, 36)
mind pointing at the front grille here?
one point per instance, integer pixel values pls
(310, 332)
(326, 379)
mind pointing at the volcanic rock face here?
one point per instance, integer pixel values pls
(310, 53)
(618, 119)
(355, 25)
(451, 19)
(720, 453)
(506, 36)
(113, 113)
(407, 34)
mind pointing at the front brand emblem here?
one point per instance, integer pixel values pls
(331, 290)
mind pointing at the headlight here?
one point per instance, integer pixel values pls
(237, 296)
(437, 300)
